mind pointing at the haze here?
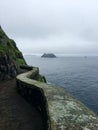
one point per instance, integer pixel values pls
(59, 26)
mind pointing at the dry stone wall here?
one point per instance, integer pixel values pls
(59, 109)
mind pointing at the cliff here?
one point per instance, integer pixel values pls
(10, 57)
(12, 61)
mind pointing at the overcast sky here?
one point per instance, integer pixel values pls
(59, 26)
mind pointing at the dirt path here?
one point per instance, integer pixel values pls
(15, 112)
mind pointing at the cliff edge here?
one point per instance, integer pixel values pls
(10, 57)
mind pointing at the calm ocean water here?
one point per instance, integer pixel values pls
(78, 75)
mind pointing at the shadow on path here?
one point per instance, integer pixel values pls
(15, 112)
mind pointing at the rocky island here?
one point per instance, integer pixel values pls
(48, 55)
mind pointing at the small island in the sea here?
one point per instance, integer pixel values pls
(48, 55)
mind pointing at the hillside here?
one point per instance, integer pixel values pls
(10, 57)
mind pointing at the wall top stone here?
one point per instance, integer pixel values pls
(65, 112)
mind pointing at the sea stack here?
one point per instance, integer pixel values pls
(48, 55)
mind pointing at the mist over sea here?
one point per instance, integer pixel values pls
(78, 75)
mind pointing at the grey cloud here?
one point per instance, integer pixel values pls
(65, 25)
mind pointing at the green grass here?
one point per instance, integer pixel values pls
(20, 60)
(41, 78)
(2, 34)
(8, 47)
(3, 48)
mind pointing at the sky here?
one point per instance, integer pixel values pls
(58, 26)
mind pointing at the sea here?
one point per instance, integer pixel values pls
(77, 74)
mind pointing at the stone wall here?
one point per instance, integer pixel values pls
(59, 109)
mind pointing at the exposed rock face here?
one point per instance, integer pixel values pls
(10, 57)
(48, 55)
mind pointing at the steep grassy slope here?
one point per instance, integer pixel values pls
(10, 57)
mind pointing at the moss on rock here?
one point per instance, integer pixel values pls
(41, 78)
(10, 57)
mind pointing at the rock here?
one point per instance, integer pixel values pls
(10, 57)
(48, 55)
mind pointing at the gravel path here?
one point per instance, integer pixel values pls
(15, 112)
